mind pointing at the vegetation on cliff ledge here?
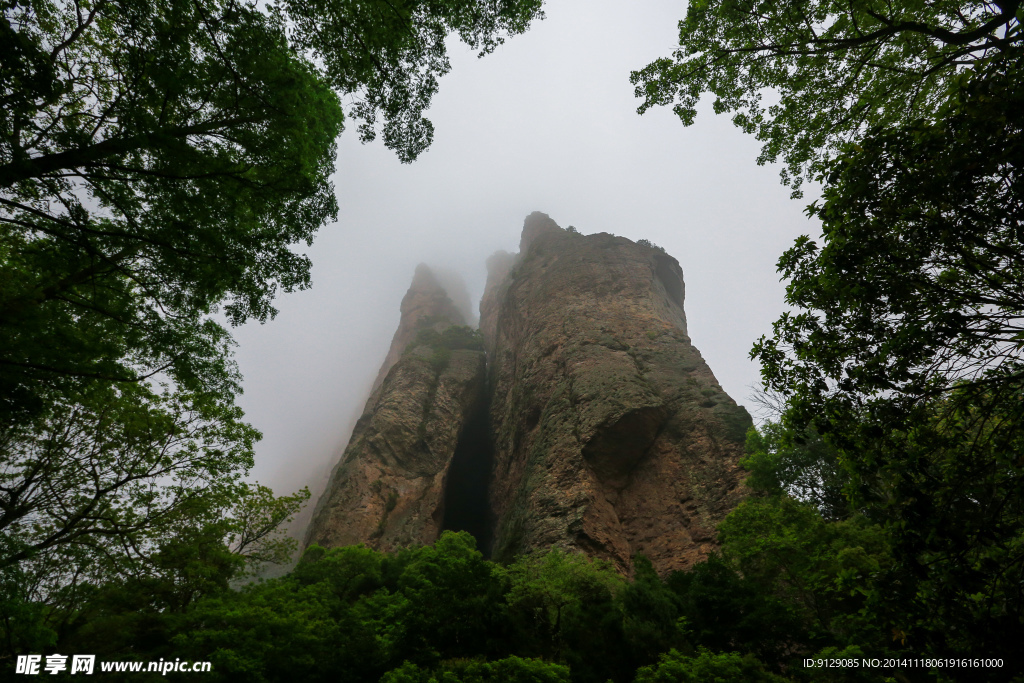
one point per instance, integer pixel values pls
(441, 344)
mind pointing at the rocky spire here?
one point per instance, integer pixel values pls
(612, 436)
(596, 425)
(388, 490)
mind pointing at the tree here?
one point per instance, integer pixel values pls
(838, 68)
(919, 285)
(160, 159)
(819, 576)
(110, 470)
(159, 162)
(706, 666)
(133, 497)
(650, 615)
(802, 465)
(563, 607)
(724, 611)
(389, 54)
(509, 670)
(450, 600)
(905, 353)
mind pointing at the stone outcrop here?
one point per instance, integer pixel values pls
(611, 434)
(389, 489)
(426, 303)
(593, 426)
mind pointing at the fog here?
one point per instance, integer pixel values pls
(547, 123)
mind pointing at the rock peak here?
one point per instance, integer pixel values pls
(389, 489)
(425, 303)
(611, 434)
(535, 225)
(594, 425)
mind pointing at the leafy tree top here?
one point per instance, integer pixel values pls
(837, 68)
(159, 161)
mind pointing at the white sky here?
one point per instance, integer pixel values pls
(547, 123)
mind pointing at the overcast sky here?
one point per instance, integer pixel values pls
(546, 123)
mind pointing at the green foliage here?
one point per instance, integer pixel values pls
(949, 491)
(434, 613)
(803, 466)
(105, 592)
(904, 353)
(900, 362)
(706, 666)
(351, 571)
(440, 358)
(255, 525)
(653, 615)
(650, 245)
(789, 585)
(270, 632)
(390, 502)
(723, 610)
(552, 590)
(23, 625)
(443, 343)
(450, 599)
(356, 610)
(390, 55)
(839, 68)
(159, 162)
(116, 468)
(200, 154)
(917, 285)
(509, 670)
(451, 338)
(825, 573)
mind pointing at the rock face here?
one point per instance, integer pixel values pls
(388, 491)
(594, 425)
(611, 435)
(426, 303)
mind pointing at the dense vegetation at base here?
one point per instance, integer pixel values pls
(794, 579)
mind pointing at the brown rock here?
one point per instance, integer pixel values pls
(425, 304)
(388, 491)
(608, 432)
(498, 266)
(611, 434)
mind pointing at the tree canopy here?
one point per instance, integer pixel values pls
(918, 287)
(160, 160)
(806, 76)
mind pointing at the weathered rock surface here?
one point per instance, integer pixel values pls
(426, 303)
(595, 425)
(388, 490)
(611, 434)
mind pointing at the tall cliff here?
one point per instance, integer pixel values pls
(611, 434)
(388, 490)
(594, 425)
